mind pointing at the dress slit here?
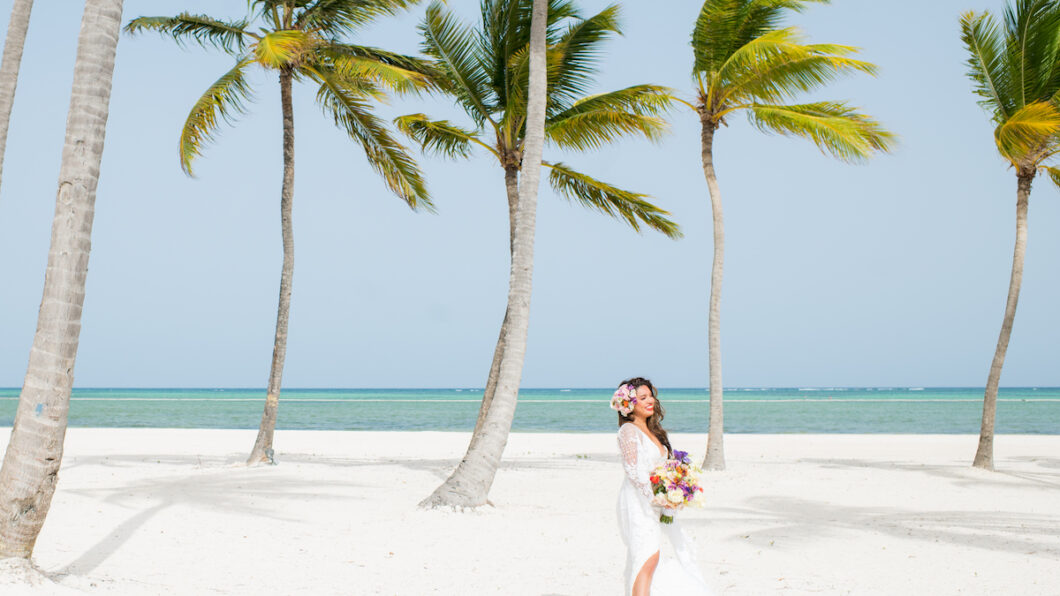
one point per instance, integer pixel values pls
(640, 568)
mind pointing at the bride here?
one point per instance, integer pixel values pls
(644, 445)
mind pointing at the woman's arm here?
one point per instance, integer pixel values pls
(627, 446)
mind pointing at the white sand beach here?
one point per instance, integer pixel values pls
(148, 511)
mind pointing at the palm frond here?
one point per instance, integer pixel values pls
(1054, 175)
(506, 32)
(778, 65)
(604, 118)
(342, 17)
(559, 11)
(834, 127)
(458, 57)
(389, 158)
(268, 10)
(266, 4)
(571, 62)
(714, 34)
(224, 100)
(402, 74)
(505, 29)
(359, 86)
(724, 26)
(792, 5)
(631, 207)
(1032, 28)
(1029, 131)
(438, 136)
(986, 64)
(409, 63)
(286, 48)
(573, 58)
(231, 37)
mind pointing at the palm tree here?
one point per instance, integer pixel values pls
(13, 44)
(35, 451)
(1015, 69)
(495, 419)
(487, 72)
(300, 40)
(745, 62)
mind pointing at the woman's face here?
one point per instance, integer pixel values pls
(645, 403)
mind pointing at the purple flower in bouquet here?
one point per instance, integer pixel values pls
(675, 484)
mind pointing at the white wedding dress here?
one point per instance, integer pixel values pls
(638, 522)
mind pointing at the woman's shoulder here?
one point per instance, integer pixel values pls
(627, 429)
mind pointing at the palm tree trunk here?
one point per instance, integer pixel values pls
(984, 455)
(715, 458)
(469, 485)
(262, 451)
(31, 464)
(511, 184)
(16, 39)
(491, 380)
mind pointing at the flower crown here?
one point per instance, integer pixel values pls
(624, 399)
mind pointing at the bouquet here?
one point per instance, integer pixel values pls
(675, 484)
(624, 399)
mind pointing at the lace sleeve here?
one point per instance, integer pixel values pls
(627, 446)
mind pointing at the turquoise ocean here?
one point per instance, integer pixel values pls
(1027, 410)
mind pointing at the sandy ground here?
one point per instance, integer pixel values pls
(147, 511)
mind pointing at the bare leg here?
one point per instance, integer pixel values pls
(642, 585)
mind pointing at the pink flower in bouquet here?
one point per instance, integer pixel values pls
(624, 399)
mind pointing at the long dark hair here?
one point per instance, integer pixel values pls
(655, 420)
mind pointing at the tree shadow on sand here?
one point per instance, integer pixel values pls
(219, 484)
(794, 519)
(223, 483)
(1041, 476)
(443, 467)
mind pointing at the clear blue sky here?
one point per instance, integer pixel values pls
(887, 274)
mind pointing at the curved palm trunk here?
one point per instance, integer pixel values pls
(494, 374)
(262, 451)
(715, 458)
(34, 453)
(984, 455)
(511, 184)
(16, 39)
(469, 485)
